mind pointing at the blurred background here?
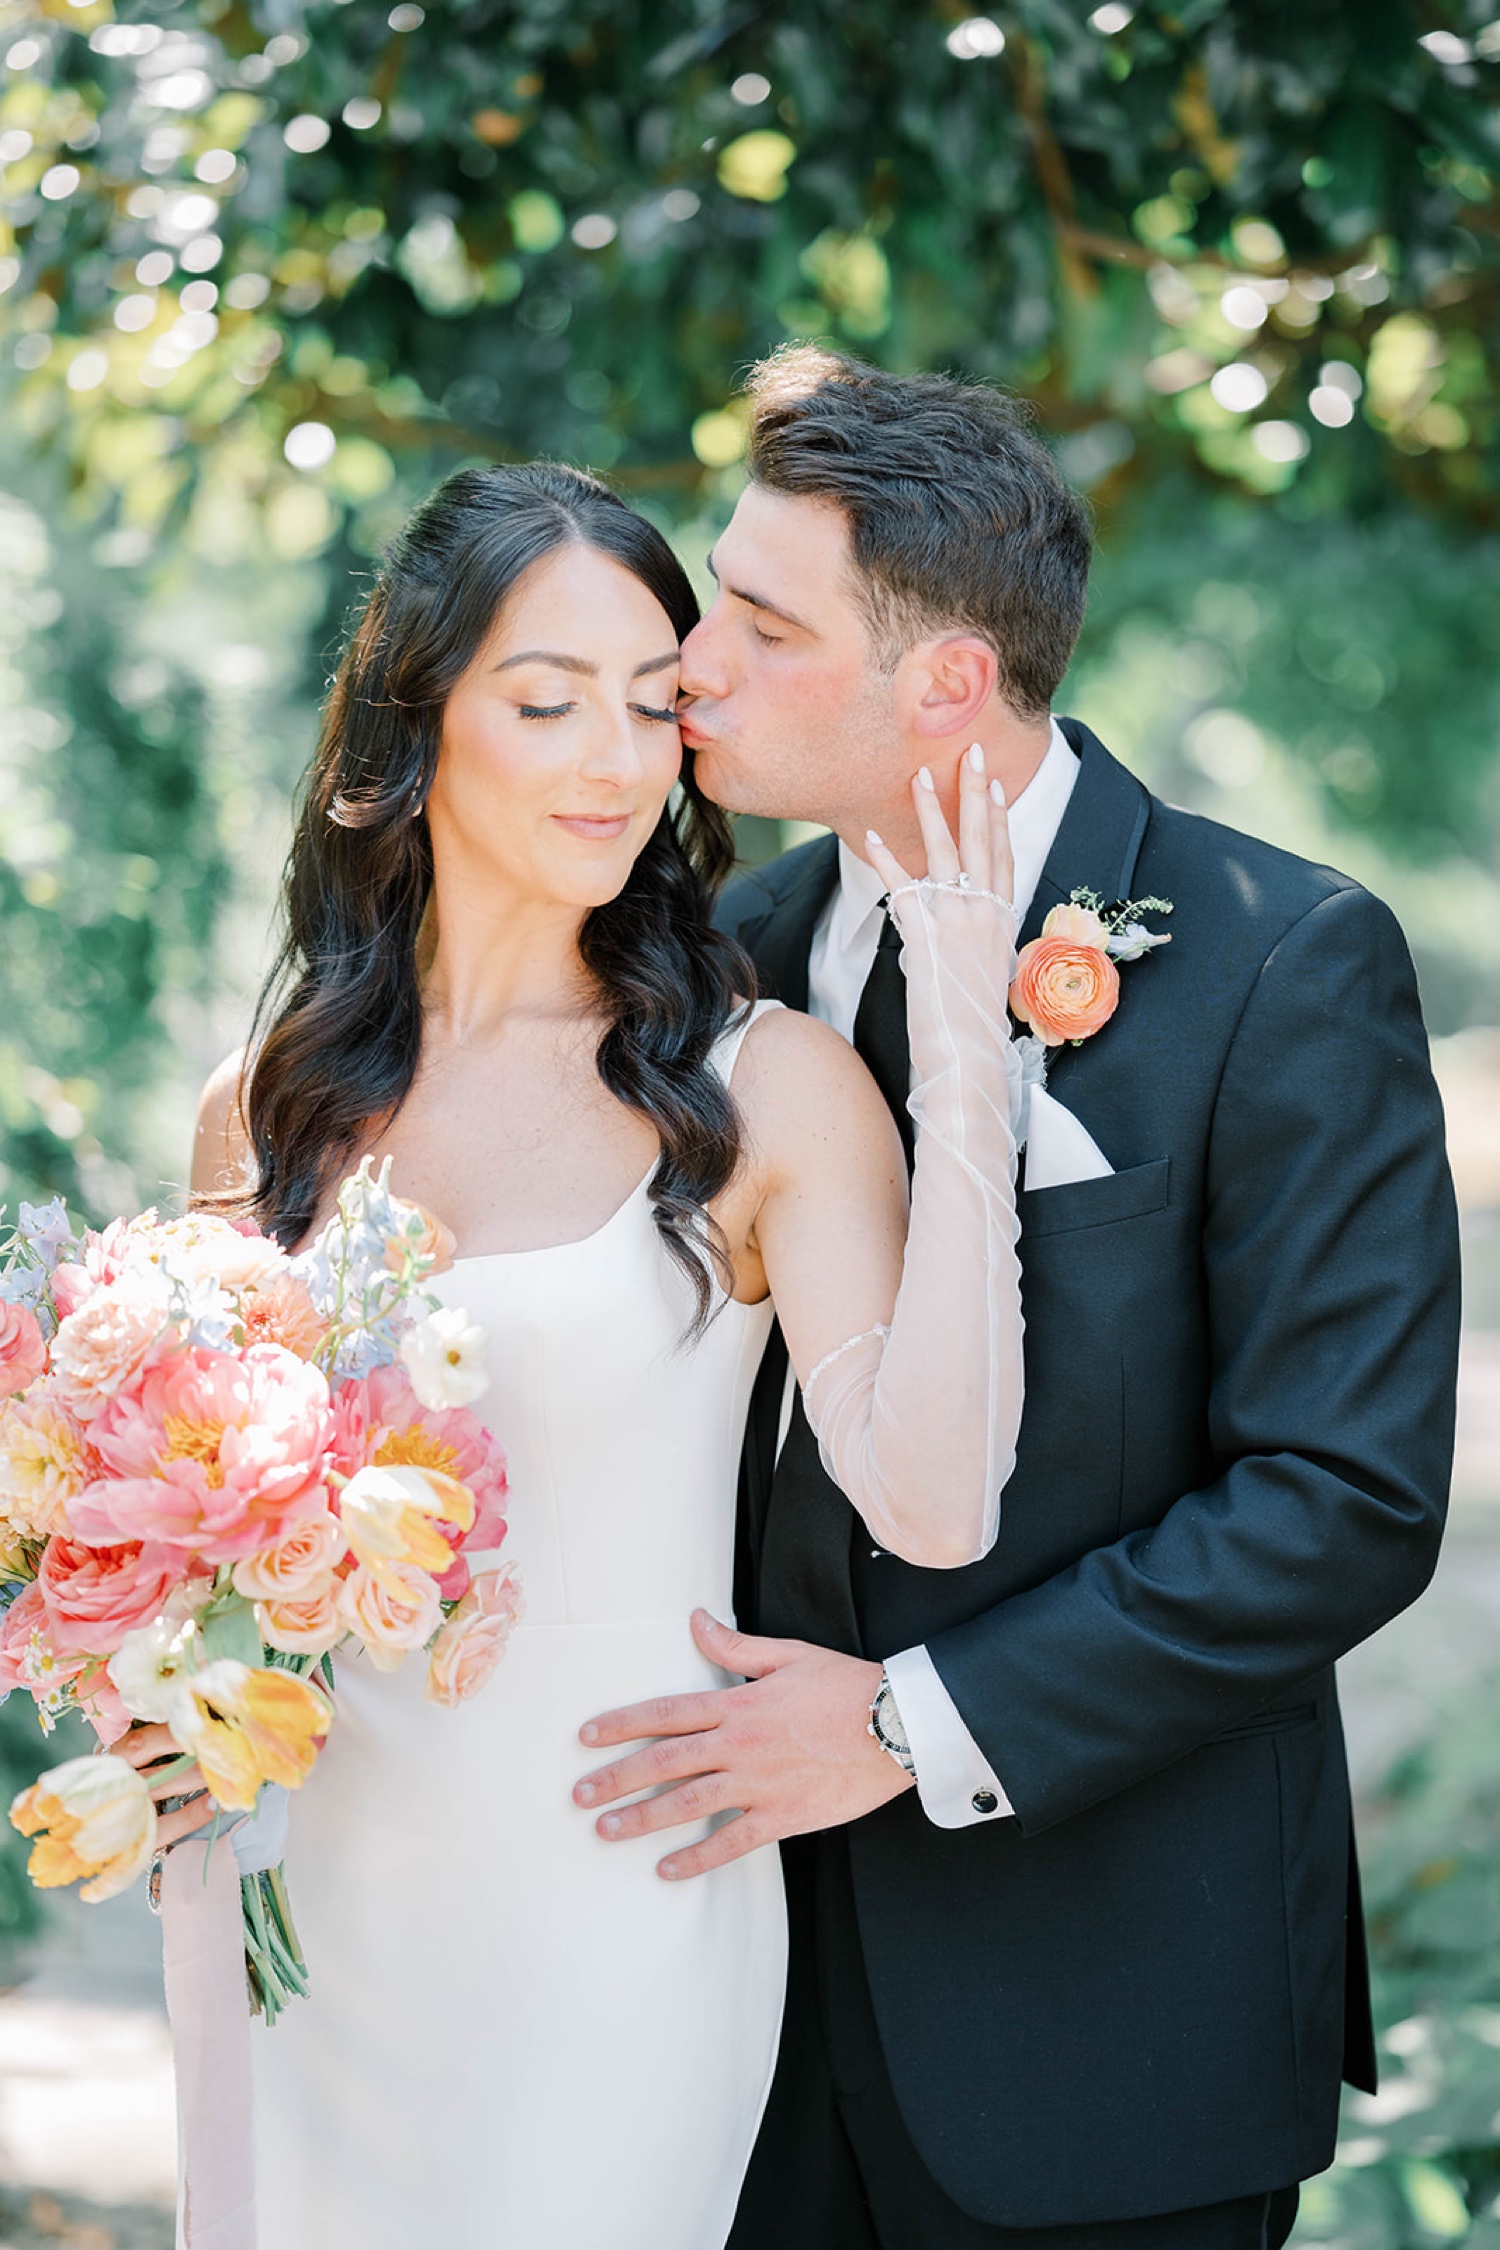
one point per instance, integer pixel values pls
(268, 268)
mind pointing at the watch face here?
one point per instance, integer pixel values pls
(892, 1733)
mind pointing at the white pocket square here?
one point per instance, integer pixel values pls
(1059, 1149)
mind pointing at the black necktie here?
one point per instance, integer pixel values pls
(880, 1029)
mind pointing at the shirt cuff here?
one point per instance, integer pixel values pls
(957, 1785)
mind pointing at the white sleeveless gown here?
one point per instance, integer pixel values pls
(518, 2037)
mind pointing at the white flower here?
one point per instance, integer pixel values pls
(149, 1665)
(444, 1356)
(1131, 943)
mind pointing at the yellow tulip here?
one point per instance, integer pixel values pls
(391, 1515)
(91, 1816)
(248, 1724)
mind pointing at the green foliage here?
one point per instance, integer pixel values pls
(24, 1753)
(508, 226)
(1420, 2162)
(109, 864)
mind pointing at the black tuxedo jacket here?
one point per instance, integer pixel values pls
(1140, 1993)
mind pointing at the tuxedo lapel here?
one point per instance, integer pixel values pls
(779, 939)
(1099, 841)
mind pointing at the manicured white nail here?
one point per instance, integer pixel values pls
(997, 794)
(925, 778)
(976, 756)
(872, 838)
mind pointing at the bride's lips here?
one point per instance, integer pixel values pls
(594, 828)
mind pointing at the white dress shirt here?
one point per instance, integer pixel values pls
(955, 1781)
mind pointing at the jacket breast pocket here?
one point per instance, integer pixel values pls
(1095, 1203)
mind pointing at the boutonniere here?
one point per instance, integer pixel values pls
(1066, 983)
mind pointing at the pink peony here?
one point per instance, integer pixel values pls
(471, 1643)
(219, 1453)
(23, 1352)
(94, 1596)
(381, 1423)
(100, 1346)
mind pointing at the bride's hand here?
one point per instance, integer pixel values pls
(982, 857)
(147, 1746)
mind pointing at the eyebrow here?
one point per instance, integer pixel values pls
(581, 664)
(759, 601)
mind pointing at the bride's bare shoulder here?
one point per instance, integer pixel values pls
(798, 1078)
(221, 1142)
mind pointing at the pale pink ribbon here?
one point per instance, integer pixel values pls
(203, 1951)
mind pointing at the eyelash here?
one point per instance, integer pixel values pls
(767, 640)
(561, 710)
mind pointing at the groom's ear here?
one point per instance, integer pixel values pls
(949, 684)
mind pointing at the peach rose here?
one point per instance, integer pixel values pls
(391, 1613)
(23, 1352)
(1079, 924)
(424, 1237)
(304, 1559)
(94, 1596)
(1064, 990)
(100, 1346)
(305, 1623)
(473, 1639)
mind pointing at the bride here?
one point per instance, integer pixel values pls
(499, 970)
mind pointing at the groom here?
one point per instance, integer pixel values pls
(1077, 1959)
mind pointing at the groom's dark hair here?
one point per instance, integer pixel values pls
(959, 518)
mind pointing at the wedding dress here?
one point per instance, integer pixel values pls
(518, 2037)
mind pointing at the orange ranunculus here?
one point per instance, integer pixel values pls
(92, 1816)
(1064, 990)
(248, 1724)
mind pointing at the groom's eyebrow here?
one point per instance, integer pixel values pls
(581, 664)
(758, 601)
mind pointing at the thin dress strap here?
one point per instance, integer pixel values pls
(726, 1048)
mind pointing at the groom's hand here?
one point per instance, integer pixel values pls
(787, 1752)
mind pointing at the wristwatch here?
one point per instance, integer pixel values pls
(885, 1725)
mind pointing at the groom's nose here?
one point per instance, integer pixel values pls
(700, 667)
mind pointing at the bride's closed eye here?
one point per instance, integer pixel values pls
(561, 710)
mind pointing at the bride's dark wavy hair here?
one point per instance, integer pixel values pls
(338, 1029)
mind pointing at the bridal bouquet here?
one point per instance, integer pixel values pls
(218, 1463)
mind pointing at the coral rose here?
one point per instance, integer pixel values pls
(380, 1423)
(45, 1461)
(392, 1613)
(100, 1346)
(28, 1658)
(217, 1452)
(1064, 990)
(23, 1350)
(472, 1640)
(94, 1596)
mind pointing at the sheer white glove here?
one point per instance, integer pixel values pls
(917, 1422)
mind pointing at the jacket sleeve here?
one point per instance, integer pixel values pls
(1330, 1257)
